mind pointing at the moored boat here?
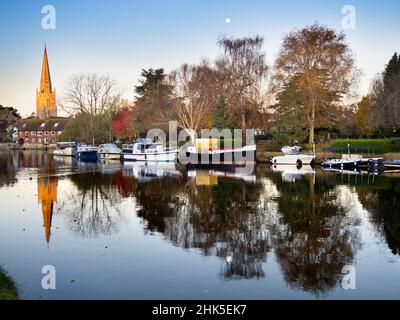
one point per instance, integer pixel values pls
(292, 156)
(352, 161)
(86, 152)
(109, 151)
(347, 162)
(147, 150)
(207, 152)
(65, 149)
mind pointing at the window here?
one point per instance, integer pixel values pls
(55, 125)
(46, 133)
(53, 133)
(33, 140)
(39, 140)
(27, 140)
(42, 125)
(26, 133)
(33, 133)
(39, 133)
(52, 140)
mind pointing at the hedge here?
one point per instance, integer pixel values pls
(380, 145)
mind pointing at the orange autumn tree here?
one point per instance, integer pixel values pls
(124, 126)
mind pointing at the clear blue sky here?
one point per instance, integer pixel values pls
(121, 37)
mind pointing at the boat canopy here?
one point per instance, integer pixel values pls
(351, 148)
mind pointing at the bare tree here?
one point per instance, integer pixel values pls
(321, 63)
(241, 71)
(94, 96)
(195, 96)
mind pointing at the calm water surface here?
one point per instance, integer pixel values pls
(132, 231)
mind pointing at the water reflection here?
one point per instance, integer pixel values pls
(306, 220)
(47, 197)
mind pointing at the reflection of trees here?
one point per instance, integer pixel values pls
(93, 210)
(221, 220)
(383, 202)
(314, 240)
(8, 169)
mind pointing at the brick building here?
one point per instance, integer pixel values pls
(41, 131)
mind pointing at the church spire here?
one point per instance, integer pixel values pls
(45, 81)
(46, 105)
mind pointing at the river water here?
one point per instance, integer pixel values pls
(136, 231)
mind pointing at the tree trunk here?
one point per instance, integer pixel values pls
(312, 126)
(243, 128)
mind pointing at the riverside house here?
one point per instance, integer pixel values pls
(41, 131)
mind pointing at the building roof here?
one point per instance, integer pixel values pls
(50, 124)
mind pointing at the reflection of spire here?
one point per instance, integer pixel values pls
(47, 195)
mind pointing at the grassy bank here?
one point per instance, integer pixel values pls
(8, 288)
(380, 145)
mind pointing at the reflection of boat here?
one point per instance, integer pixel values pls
(207, 152)
(292, 173)
(147, 150)
(86, 152)
(343, 171)
(109, 151)
(65, 149)
(210, 177)
(292, 156)
(144, 172)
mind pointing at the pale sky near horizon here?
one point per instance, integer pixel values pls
(121, 37)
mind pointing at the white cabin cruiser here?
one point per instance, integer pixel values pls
(292, 156)
(147, 150)
(65, 149)
(109, 151)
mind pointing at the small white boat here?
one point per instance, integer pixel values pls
(109, 151)
(147, 150)
(65, 149)
(292, 156)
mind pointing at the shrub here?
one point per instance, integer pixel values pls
(268, 145)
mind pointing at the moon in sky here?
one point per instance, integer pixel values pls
(228, 20)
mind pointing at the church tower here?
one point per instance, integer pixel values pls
(46, 97)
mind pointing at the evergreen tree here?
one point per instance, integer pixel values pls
(291, 123)
(220, 119)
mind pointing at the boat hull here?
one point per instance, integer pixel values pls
(239, 156)
(341, 165)
(151, 157)
(86, 155)
(67, 152)
(109, 156)
(297, 160)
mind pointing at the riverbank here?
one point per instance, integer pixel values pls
(8, 288)
(15, 146)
